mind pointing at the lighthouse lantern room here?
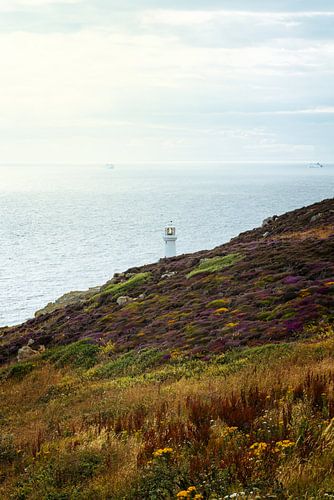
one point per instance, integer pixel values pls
(170, 240)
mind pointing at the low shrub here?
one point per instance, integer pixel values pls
(131, 363)
(18, 370)
(7, 448)
(60, 477)
(215, 264)
(81, 354)
(118, 289)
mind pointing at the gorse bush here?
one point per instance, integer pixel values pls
(215, 264)
(81, 354)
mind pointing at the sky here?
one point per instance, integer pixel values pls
(98, 81)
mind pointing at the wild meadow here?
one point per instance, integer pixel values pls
(80, 423)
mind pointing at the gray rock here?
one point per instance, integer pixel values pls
(25, 353)
(269, 220)
(121, 301)
(77, 297)
(168, 275)
(316, 217)
(266, 234)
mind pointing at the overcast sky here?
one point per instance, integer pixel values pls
(149, 80)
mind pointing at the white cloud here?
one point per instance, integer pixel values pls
(143, 93)
(198, 17)
(18, 5)
(45, 77)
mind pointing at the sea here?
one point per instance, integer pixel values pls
(71, 227)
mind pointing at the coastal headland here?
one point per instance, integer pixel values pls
(206, 375)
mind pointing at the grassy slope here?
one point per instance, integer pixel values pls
(193, 406)
(256, 420)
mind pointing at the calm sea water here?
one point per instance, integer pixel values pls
(68, 228)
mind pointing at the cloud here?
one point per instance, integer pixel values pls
(195, 17)
(238, 28)
(14, 5)
(147, 83)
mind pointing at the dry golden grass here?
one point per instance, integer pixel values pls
(320, 233)
(88, 438)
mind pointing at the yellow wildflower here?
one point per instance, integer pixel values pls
(329, 283)
(162, 451)
(258, 448)
(198, 496)
(191, 488)
(281, 446)
(182, 494)
(232, 325)
(229, 430)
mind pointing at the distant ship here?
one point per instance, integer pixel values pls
(316, 165)
(110, 166)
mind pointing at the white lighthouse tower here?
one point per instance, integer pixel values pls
(170, 239)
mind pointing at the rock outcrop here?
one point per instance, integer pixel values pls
(26, 352)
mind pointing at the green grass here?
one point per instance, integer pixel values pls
(215, 264)
(17, 370)
(81, 354)
(119, 289)
(95, 435)
(129, 364)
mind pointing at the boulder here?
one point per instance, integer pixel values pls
(25, 353)
(316, 217)
(121, 301)
(269, 220)
(168, 275)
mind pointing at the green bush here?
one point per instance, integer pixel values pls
(215, 264)
(81, 354)
(18, 370)
(7, 448)
(118, 289)
(130, 364)
(62, 477)
(261, 354)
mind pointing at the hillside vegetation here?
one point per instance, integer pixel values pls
(213, 379)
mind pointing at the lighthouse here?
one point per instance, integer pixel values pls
(170, 239)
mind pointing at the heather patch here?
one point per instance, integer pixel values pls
(271, 294)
